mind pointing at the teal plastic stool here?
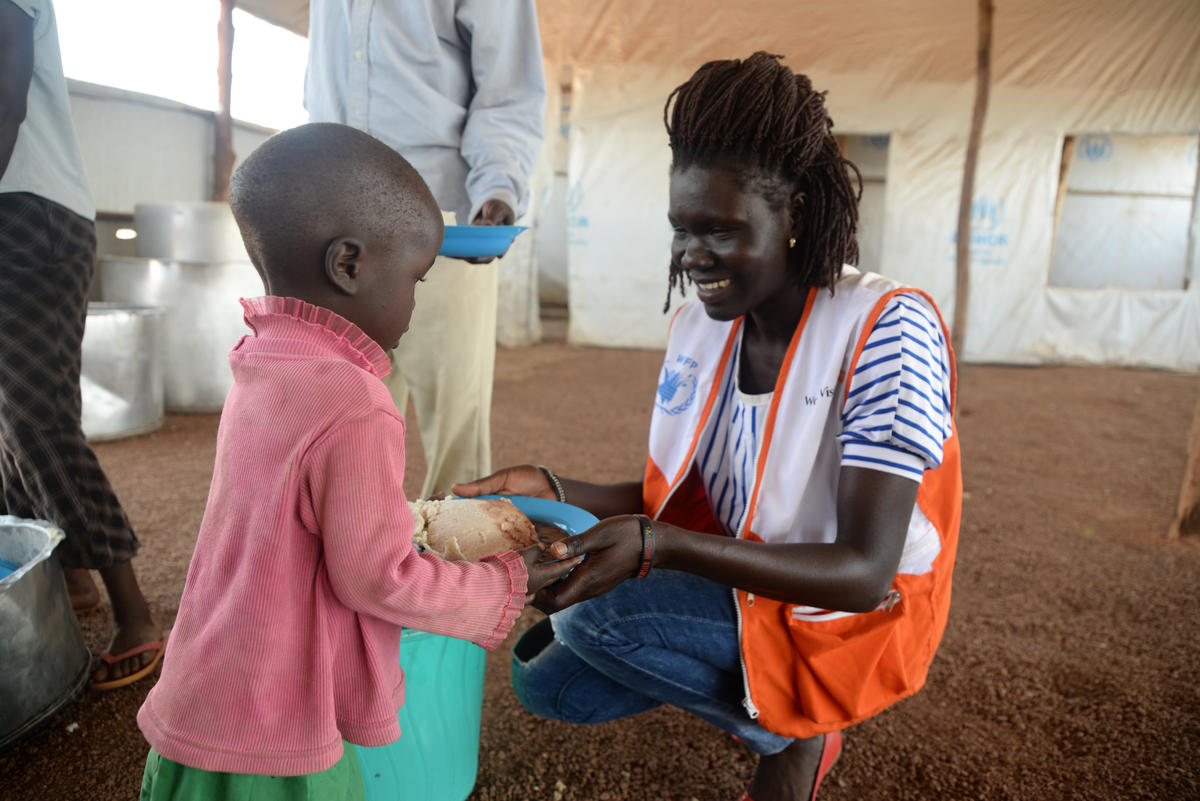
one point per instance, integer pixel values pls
(437, 755)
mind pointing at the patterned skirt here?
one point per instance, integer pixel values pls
(47, 469)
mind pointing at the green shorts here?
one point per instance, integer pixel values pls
(164, 780)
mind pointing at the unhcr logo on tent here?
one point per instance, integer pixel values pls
(1096, 147)
(986, 215)
(989, 243)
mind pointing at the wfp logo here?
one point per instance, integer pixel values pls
(677, 386)
(1096, 147)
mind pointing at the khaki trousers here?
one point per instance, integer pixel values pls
(446, 361)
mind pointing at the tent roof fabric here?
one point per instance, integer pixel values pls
(1094, 52)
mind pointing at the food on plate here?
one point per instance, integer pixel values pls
(470, 528)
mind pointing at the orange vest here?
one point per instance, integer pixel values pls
(808, 671)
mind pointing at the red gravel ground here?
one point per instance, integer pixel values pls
(1069, 669)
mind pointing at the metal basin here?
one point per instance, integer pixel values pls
(201, 322)
(44, 662)
(122, 376)
(188, 231)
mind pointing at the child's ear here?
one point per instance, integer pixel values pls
(342, 264)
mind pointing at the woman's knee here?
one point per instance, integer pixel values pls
(553, 682)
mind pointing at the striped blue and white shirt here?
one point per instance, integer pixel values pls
(728, 452)
(895, 419)
(897, 410)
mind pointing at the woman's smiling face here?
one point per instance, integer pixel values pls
(729, 241)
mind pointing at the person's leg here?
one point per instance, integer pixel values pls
(668, 638)
(446, 361)
(552, 682)
(795, 772)
(48, 470)
(81, 589)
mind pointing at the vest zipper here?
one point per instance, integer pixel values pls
(751, 709)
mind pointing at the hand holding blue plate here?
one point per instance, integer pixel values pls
(570, 519)
(478, 241)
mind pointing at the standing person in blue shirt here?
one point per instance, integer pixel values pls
(47, 260)
(458, 88)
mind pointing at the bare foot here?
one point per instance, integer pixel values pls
(788, 775)
(82, 589)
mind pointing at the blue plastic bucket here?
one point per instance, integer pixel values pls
(437, 755)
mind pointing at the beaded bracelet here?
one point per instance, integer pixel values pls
(647, 546)
(555, 484)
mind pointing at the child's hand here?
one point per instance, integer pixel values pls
(614, 550)
(544, 573)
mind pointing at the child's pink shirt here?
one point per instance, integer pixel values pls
(304, 570)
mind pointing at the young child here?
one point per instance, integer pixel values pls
(304, 569)
(803, 471)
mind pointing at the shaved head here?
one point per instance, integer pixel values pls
(307, 186)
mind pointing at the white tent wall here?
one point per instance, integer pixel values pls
(1059, 69)
(139, 148)
(1062, 68)
(1126, 213)
(142, 149)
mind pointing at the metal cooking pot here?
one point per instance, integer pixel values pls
(200, 230)
(44, 662)
(122, 376)
(202, 320)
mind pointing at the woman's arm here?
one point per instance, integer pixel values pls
(852, 574)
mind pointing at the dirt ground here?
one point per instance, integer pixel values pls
(1069, 669)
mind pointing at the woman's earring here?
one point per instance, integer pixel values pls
(792, 242)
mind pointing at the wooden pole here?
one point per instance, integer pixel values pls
(223, 155)
(1187, 518)
(1064, 176)
(962, 273)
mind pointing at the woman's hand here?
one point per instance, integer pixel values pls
(523, 479)
(614, 551)
(543, 573)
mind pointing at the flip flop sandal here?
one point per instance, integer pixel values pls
(158, 646)
(831, 749)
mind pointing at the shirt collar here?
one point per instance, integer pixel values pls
(359, 346)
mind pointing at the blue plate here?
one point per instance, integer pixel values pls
(478, 241)
(7, 568)
(570, 519)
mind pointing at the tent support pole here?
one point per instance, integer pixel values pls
(1187, 518)
(223, 156)
(1064, 174)
(983, 70)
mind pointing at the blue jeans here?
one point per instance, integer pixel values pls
(668, 638)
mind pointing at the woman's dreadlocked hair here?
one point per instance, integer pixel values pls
(759, 117)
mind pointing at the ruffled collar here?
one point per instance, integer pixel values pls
(365, 350)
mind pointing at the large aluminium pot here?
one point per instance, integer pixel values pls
(121, 380)
(188, 231)
(44, 661)
(202, 320)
